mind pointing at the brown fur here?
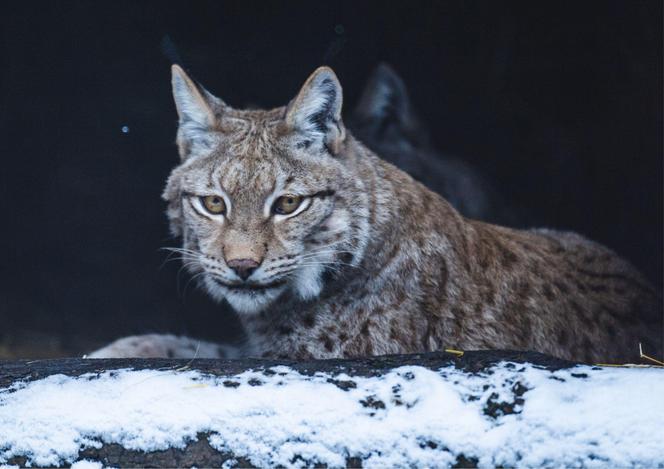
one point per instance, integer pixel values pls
(403, 271)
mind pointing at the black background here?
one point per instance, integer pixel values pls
(560, 103)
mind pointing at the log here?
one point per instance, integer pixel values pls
(508, 378)
(473, 361)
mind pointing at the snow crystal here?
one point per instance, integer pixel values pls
(86, 464)
(513, 415)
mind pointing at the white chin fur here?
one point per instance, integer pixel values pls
(243, 302)
(308, 283)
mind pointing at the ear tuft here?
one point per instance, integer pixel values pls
(316, 111)
(197, 109)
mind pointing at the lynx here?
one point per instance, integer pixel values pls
(325, 250)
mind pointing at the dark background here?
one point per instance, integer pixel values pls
(559, 103)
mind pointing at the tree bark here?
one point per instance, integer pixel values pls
(200, 453)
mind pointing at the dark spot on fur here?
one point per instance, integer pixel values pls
(303, 352)
(365, 328)
(343, 337)
(563, 338)
(523, 289)
(484, 260)
(562, 287)
(577, 309)
(400, 297)
(598, 288)
(548, 292)
(309, 320)
(285, 330)
(588, 348)
(458, 321)
(488, 295)
(393, 253)
(346, 257)
(508, 258)
(526, 329)
(231, 384)
(303, 144)
(327, 342)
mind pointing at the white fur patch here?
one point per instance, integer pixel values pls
(321, 94)
(308, 282)
(246, 302)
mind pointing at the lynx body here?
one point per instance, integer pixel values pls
(325, 250)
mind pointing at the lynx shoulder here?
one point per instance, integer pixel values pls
(325, 250)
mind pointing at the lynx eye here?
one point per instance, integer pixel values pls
(286, 204)
(214, 204)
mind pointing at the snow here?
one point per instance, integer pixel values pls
(86, 464)
(411, 416)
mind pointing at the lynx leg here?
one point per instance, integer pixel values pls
(164, 346)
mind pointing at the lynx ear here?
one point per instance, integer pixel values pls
(197, 113)
(315, 113)
(385, 100)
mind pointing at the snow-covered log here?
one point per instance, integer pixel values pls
(481, 409)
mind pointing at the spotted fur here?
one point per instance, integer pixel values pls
(375, 263)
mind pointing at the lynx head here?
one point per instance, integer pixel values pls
(266, 201)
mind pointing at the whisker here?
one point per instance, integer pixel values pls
(193, 277)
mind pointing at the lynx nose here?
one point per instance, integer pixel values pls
(243, 267)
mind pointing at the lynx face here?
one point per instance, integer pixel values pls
(263, 199)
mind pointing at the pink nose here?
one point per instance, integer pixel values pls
(243, 267)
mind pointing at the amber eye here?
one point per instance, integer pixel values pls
(214, 204)
(286, 204)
